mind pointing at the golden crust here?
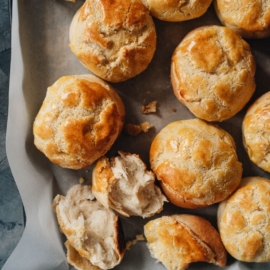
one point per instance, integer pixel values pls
(249, 19)
(177, 10)
(212, 73)
(256, 131)
(117, 45)
(244, 221)
(179, 240)
(196, 163)
(79, 120)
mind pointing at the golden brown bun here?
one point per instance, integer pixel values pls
(256, 131)
(124, 184)
(250, 19)
(244, 221)
(175, 10)
(212, 73)
(196, 163)
(116, 40)
(179, 240)
(80, 118)
(89, 226)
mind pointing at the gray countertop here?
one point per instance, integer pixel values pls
(11, 209)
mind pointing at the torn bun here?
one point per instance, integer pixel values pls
(92, 230)
(178, 240)
(124, 184)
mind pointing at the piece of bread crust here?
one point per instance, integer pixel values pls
(179, 240)
(94, 231)
(79, 120)
(196, 163)
(250, 19)
(177, 10)
(212, 72)
(244, 221)
(115, 46)
(256, 132)
(76, 260)
(124, 184)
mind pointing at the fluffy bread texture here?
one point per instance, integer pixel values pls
(116, 40)
(79, 120)
(179, 240)
(212, 72)
(196, 163)
(93, 231)
(250, 19)
(124, 184)
(256, 132)
(177, 10)
(244, 221)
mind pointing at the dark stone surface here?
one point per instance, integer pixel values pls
(11, 208)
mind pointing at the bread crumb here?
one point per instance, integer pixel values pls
(151, 107)
(139, 237)
(81, 180)
(173, 109)
(134, 130)
(146, 126)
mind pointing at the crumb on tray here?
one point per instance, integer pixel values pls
(151, 107)
(134, 130)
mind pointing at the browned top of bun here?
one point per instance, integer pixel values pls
(179, 240)
(79, 120)
(116, 40)
(196, 163)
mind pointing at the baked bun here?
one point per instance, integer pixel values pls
(256, 132)
(80, 119)
(175, 10)
(250, 19)
(116, 40)
(212, 72)
(93, 231)
(124, 184)
(75, 259)
(244, 221)
(196, 163)
(179, 240)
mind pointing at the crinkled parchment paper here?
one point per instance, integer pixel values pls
(40, 55)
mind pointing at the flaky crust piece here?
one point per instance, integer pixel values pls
(196, 163)
(116, 40)
(212, 72)
(79, 120)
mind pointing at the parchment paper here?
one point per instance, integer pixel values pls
(41, 55)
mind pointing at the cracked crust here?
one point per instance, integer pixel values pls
(80, 118)
(179, 240)
(256, 131)
(244, 221)
(117, 45)
(196, 163)
(177, 10)
(250, 19)
(212, 73)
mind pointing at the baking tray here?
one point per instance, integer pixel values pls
(41, 55)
